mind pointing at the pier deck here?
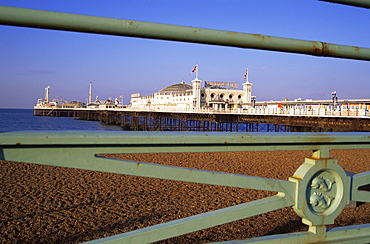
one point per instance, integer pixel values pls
(233, 120)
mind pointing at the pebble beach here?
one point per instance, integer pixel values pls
(48, 204)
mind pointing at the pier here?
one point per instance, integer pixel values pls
(235, 120)
(217, 106)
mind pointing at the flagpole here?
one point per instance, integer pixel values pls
(196, 73)
(246, 80)
(247, 76)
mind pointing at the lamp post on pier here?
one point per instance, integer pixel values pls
(335, 99)
(253, 101)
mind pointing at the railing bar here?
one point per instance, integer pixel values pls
(362, 232)
(202, 176)
(195, 149)
(345, 234)
(121, 138)
(197, 222)
(196, 145)
(356, 3)
(358, 180)
(120, 27)
(83, 159)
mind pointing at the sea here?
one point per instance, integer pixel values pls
(23, 120)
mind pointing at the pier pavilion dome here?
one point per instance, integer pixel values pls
(176, 88)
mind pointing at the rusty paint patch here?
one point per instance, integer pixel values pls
(326, 51)
(259, 36)
(320, 138)
(322, 49)
(316, 50)
(356, 49)
(130, 24)
(18, 143)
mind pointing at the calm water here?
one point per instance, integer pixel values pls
(23, 119)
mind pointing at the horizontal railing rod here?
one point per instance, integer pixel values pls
(356, 3)
(121, 27)
(181, 139)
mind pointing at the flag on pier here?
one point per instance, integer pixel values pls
(246, 75)
(193, 70)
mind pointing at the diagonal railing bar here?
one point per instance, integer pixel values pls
(200, 176)
(81, 158)
(359, 180)
(121, 27)
(198, 222)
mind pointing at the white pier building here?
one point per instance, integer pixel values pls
(213, 94)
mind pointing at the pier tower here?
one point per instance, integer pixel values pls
(90, 93)
(196, 92)
(47, 94)
(247, 88)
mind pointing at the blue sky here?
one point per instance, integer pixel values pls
(31, 59)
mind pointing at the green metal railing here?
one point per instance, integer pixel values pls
(121, 27)
(316, 182)
(318, 191)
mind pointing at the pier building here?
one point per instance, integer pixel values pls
(215, 95)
